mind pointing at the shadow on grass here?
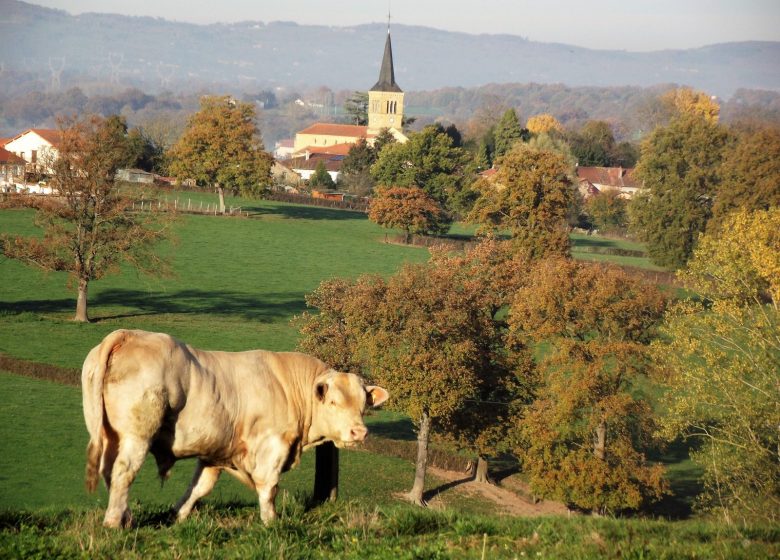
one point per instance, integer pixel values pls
(394, 429)
(267, 308)
(684, 481)
(596, 242)
(301, 212)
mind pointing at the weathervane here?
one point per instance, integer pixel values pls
(388, 17)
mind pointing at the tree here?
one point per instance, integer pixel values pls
(221, 147)
(582, 439)
(530, 195)
(607, 210)
(594, 144)
(355, 174)
(356, 107)
(543, 123)
(680, 168)
(750, 174)
(428, 161)
(721, 357)
(689, 102)
(408, 208)
(430, 333)
(89, 230)
(507, 132)
(321, 177)
(506, 379)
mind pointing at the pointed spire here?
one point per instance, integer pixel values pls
(386, 80)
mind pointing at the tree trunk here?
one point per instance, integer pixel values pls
(416, 493)
(326, 473)
(600, 442)
(407, 237)
(81, 302)
(221, 192)
(481, 472)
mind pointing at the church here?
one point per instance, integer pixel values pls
(385, 110)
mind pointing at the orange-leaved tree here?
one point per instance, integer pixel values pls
(408, 208)
(89, 228)
(429, 334)
(584, 435)
(530, 195)
(222, 147)
(506, 380)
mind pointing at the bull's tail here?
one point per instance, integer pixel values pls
(92, 376)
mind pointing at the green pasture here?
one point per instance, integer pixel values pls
(237, 283)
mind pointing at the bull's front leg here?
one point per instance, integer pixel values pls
(203, 481)
(269, 460)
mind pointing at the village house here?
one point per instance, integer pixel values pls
(37, 147)
(594, 180)
(11, 169)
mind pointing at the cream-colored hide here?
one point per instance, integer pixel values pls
(249, 413)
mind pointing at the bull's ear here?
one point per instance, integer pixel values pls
(376, 395)
(321, 390)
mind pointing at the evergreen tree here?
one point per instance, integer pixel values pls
(321, 177)
(507, 132)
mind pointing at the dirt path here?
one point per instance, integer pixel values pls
(508, 502)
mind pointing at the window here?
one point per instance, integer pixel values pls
(34, 156)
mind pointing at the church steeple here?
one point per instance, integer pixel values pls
(386, 99)
(386, 80)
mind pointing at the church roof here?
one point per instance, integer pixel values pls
(386, 80)
(331, 129)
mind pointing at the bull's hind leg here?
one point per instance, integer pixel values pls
(129, 459)
(203, 481)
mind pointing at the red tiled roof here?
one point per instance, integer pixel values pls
(4, 141)
(611, 176)
(334, 150)
(331, 163)
(7, 158)
(488, 172)
(330, 129)
(51, 135)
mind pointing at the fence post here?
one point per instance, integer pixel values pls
(326, 473)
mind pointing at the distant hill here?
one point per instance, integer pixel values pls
(153, 54)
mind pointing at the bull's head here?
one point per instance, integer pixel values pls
(340, 399)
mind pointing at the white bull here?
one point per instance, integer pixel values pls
(248, 413)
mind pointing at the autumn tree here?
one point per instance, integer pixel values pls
(90, 229)
(482, 426)
(428, 161)
(408, 208)
(750, 174)
(530, 195)
(582, 439)
(680, 169)
(692, 103)
(543, 123)
(222, 148)
(721, 357)
(430, 334)
(607, 210)
(507, 132)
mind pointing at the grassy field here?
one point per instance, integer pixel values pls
(238, 282)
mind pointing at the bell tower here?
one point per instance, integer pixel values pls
(385, 99)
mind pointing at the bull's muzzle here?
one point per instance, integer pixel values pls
(358, 433)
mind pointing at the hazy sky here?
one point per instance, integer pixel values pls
(636, 25)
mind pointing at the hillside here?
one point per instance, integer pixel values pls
(156, 54)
